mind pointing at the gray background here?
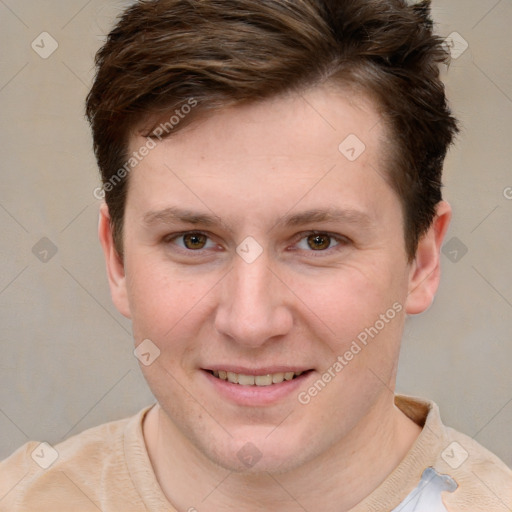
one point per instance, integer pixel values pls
(66, 354)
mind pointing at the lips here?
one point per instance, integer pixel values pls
(255, 387)
(262, 379)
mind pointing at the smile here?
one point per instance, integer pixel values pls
(255, 380)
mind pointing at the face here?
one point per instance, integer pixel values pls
(257, 248)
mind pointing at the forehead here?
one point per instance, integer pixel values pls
(323, 113)
(280, 148)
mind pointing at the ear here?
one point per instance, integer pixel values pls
(114, 263)
(425, 270)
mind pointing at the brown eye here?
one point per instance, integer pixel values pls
(194, 240)
(319, 241)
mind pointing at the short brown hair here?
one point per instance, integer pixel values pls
(163, 53)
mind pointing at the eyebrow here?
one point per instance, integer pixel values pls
(173, 215)
(349, 216)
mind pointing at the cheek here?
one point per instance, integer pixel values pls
(177, 303)
(365, 314)
(353, 298)
(161, 301)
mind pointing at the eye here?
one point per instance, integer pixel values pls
(321, 242)
(190, 241)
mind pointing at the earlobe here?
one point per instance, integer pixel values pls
(115, 267)
(425, 269)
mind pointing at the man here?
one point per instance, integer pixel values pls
(273, 212)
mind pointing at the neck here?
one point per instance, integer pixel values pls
(335, 481)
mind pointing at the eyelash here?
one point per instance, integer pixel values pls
(340, 239)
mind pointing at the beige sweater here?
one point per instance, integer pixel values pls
(107, 468)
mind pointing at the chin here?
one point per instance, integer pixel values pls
(275, 463)
(259, 453)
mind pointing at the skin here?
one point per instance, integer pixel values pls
(293, 305)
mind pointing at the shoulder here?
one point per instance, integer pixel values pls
(484, 481)
(42, 477)
(468, 476)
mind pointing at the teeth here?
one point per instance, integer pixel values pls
(263, 380)
(255, 380)
(245, 380)
(277, 378)
(233, 377)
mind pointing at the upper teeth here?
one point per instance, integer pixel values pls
(255, 380)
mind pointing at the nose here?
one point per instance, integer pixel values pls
(255, 304)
